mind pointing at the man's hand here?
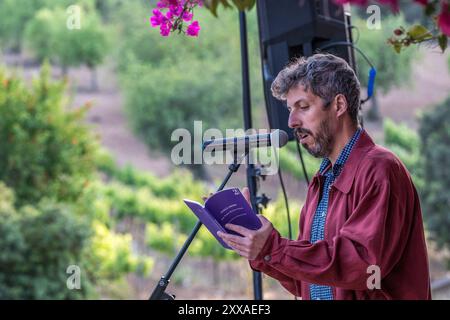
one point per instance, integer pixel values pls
(252, 241)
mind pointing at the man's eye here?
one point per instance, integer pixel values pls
(304, 107)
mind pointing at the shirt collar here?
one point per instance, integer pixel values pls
(343, 156)
(345, 180)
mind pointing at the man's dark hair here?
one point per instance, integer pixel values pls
(326, 75)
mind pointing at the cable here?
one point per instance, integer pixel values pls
(288, 215)
(348, 44)
(283, 189)
(357, 29)
(301, 160)
(372, 71)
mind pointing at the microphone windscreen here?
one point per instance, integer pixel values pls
(283, 137)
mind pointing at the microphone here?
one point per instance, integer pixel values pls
(278, 138)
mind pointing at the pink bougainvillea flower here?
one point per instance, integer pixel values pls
(170, 16)
(187, 16)
(157, 18)
(193, 29)
(444, 18)
(176, 10)
(164, 30)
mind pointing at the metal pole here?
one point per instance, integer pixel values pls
(246, 103)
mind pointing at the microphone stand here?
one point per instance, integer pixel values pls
(159, 291)
(253, 175)
(252, 172)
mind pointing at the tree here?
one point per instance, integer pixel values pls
(50, 207)
(46, 150)
(435, 137)
(171, 82)
(48, 36)
(14, 14)
(36, 247)
(392, 69)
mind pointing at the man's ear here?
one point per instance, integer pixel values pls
(340, 104)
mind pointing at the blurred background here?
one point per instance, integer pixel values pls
(86, 117)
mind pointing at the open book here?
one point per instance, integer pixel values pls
(226, 206)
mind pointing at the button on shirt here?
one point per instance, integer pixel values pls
(320, 292)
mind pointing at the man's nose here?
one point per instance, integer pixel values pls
(294, 121)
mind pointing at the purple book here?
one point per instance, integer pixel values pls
(226, 206)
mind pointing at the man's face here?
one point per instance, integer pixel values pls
(313, 124)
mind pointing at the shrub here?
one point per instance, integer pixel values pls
(435, 137)
(46, 150)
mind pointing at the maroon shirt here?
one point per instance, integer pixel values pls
(374, 218)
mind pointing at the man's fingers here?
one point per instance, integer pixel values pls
(238, 246)
(231, 237)
(239, 229)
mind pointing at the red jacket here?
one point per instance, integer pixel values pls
(374, 218)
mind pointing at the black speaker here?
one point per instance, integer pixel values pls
(294, 28)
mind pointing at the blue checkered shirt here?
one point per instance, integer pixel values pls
(319, 292)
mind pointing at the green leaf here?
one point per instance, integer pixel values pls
(239, 4)
(419, 32)
(443, 42)
(430, 8)
(212, 5)
(250, 4)
(225, 4)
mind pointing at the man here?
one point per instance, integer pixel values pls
(361, 234)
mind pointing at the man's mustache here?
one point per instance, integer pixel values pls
(300, 131)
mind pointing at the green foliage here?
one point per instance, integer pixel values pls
(54, 213)
(162, 99)
(171, 82)
(401, 135)
(290, 162)
(392, 69)
(46, 151)
(48, 36)
(36, 247)
(110, 256)
(141, 203)
(435, 136)
(14, 14)
(39, 34)
(158, 203)
(164, 237)
(242, 5)
(276, 213)
(405, 143)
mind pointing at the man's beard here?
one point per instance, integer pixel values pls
(322, 141)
